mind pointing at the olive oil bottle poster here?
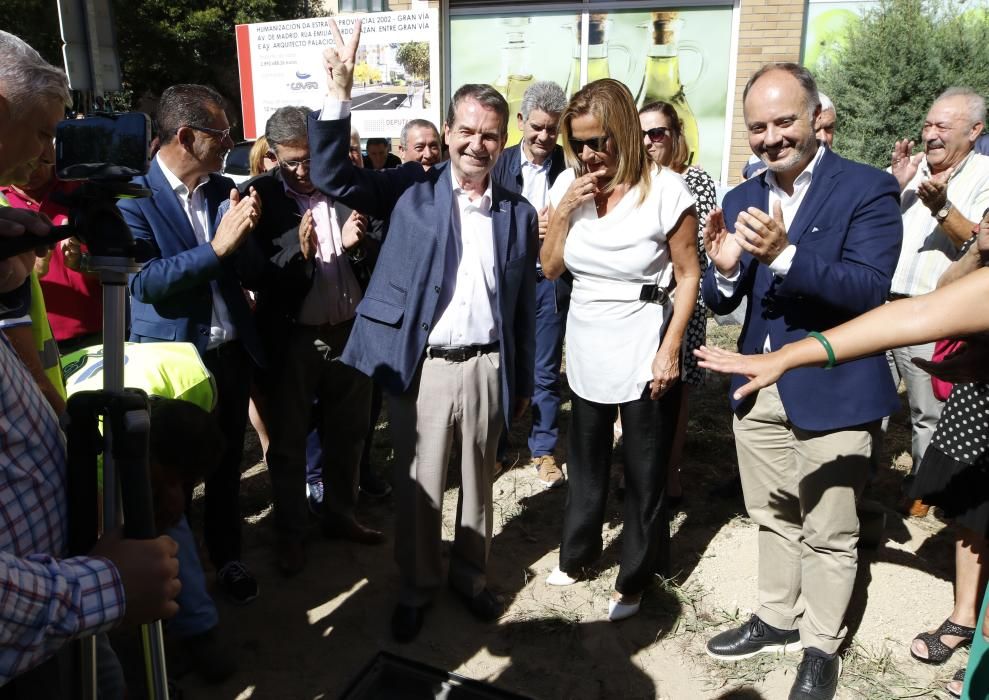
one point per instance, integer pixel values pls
(677, 55)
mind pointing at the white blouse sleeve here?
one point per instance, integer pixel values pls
(675, 199)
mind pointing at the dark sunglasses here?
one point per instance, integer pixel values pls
(596, 144)
(657, 133)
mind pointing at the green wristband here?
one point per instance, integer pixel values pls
(819, 337)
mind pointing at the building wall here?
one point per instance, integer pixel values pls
(769, 30)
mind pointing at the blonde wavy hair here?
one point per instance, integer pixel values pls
(611, 103)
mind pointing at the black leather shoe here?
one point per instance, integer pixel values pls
(350, 530)
(406, 622)
(484, 606)
(754, 637)
(817, 678)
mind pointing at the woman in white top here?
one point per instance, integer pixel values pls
(626, 230)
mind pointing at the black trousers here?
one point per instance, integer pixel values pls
(647, 427)
(231, 367)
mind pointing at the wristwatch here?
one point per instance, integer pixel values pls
(943, 212)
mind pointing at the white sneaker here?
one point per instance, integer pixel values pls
(620, 610)
(560, 578)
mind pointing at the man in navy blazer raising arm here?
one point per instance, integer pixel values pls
(446, 326)
(815, 242)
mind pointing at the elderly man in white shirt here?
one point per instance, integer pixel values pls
(944, 191)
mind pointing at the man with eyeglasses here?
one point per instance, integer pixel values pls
(530, 168)
(316, 255)
(188, 291)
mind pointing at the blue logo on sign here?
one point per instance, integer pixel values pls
(301, 75)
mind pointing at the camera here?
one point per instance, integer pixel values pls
(103, 151)
(104, 147)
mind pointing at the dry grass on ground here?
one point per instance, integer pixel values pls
(308, 636)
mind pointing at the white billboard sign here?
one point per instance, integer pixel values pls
(396, 77)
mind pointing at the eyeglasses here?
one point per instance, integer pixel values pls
(221, 134)
(293, 165)
(595, 143)
(657, 133)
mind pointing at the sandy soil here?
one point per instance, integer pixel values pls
(309, 636)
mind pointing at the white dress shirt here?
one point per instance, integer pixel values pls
(335, 292)
(789, 204)
(535, 180)
(467, 311)
(927, 250)
(195, 208)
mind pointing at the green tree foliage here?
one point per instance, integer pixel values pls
(37, 24)
(414, 57)
(164, 42)
(895, 62)
(363, 73)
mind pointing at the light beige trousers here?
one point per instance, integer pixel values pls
(800, 488)
(448, 403)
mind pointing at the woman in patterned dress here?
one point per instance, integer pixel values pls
(662, 134)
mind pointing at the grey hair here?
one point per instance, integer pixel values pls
(976, 103)
(486, 95)
(802, 76)
(288, 125)
(826, 103)
(546, 96)
(416, 124)
(185, 105)
(25, 77)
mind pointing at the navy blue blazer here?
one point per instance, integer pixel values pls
(170, 296)
(848, 232)
(394, 319)
(507, 172)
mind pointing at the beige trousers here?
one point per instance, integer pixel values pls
(800, 489)
(448, 403)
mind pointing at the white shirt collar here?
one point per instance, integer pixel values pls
(805, 175)
(484, 203)
(528, 163)
(174, 182)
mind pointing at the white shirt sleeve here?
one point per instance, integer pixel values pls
(334, 109)
(781, 265)
(727, 285)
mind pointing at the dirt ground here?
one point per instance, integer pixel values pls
(309, 636)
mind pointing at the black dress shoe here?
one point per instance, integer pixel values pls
(351, 530)
(484, 606)
(817, 678)
(406, 622)
(291, 557)
(754, 637)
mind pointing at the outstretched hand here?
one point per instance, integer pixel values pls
(761, 370)
(339, 61)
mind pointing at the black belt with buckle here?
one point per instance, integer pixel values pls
(652, 293)
(459, 353)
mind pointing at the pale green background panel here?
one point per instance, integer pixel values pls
(484, 49)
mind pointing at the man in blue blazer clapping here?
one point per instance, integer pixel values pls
(188, 291)
(446, 326)
(815, 241)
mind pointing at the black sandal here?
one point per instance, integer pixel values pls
(937, 651)
(959, 677)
